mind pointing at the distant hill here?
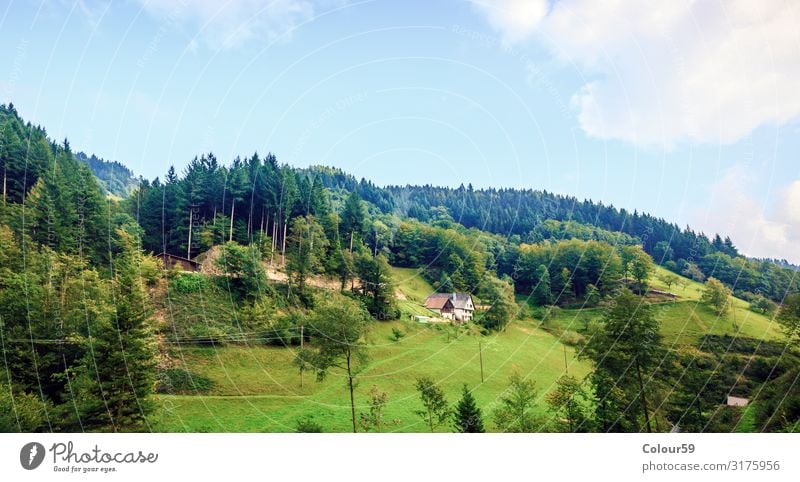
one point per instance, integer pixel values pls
(114, 177)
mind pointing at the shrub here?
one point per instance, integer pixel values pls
(759, 304)
(22, 413)
(307, 424)
(189, 283)
(181, 381)
(550, 317)
(397, 334)
(572, 338)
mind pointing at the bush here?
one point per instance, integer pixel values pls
(397, 334)
(284, 330)
(759, 304)
(24, 413)
(550, 316)
(307, 424)
(572, 338)
(176, 381)
(189, 283)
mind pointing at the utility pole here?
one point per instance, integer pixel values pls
(480, 356)
(274, 233)
(194, 216)
(566, 368)
(301, 349)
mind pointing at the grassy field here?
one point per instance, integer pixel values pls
(256, 388)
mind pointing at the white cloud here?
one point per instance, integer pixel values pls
(230, 23)
(515, 18)
(665, 72)
(757, 229)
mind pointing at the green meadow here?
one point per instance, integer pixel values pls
(257, 388)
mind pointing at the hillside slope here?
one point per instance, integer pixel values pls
(684, 320)
(257, 388)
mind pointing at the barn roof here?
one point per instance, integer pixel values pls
(437, 302)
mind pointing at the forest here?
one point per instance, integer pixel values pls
(87, 312)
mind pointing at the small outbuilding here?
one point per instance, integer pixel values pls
(170, 261)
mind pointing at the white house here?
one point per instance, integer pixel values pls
(737, 401)
(453, 306)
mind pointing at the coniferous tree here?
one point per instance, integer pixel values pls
(570, 405)
(541, 291)
(353, 220)
(244, 274)
(376, 285)
(467, 416)
(305, 252)
(626, 351)
(116, 378)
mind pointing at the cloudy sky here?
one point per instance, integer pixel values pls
(689, 110)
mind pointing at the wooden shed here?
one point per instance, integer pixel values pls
(170, 261)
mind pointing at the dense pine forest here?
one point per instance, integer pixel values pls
(89, 317)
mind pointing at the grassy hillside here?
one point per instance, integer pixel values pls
(684, 320)
(257, 388)
(411, 284)
(411, 292)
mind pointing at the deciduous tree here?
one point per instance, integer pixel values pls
(373, 419)
(516, 413)
(436, 411)
(717, 296)
(338, 328)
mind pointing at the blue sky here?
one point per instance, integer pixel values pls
(688, 110)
